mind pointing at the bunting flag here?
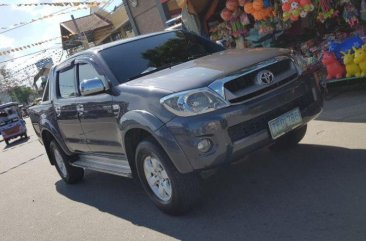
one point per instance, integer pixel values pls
(43, 17)
(54, 4)
(28, 46)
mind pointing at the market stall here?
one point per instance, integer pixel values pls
(328, 33)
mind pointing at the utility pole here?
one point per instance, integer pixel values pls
(84, 39)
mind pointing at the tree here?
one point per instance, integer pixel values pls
(7, 82)
(21, 94)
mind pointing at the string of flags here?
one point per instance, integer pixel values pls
(28, 46)
(54, 4)
(43, 17)
(54, 53)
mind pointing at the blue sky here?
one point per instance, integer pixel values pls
(34, 32)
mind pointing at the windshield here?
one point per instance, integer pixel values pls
(140, 57)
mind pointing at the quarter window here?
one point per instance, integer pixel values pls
(66, 83)
(46, 92)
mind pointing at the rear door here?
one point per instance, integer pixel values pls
(65, 105)
(97, 115)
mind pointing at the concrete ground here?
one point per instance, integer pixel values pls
(315, 192)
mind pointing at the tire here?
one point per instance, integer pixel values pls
(185, 189)
(25, 136)
(67, 172)
(7, 142)
(289, 140)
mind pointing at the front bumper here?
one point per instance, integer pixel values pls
(242, 128)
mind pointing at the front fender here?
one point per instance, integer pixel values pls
(46, 125)
(139, 119)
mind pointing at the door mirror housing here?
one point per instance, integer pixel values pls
(91, 87)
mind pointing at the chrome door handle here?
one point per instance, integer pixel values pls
(58, 110)
(80, 109)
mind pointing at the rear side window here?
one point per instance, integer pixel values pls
(66, 83)
(46, 92)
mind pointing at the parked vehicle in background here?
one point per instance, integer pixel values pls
(12, 124)
(167, 107)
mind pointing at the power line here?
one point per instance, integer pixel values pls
(24, 55)
(10, 29)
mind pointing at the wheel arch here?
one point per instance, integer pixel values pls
(47, 136)
(139, 125)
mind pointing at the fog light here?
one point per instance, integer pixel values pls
(204, 145)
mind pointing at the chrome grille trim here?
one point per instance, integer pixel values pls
(219, 85)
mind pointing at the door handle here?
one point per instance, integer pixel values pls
(80, 109)
(58, 110)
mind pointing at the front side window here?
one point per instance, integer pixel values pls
(66, 83)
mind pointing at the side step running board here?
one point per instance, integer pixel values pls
(116, 165)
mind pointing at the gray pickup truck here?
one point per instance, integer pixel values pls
(167, 107)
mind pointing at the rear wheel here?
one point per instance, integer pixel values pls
(172, 192)
(290, 139)
(67, 172)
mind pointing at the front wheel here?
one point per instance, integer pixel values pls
(7, 142)
(290, 139)
(67, 172)
(172, 192)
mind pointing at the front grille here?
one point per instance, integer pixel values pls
(250, 127)
(246, 87)
(3, 123)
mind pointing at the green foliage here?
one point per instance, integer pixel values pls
(21, 94)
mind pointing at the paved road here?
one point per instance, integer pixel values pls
(314, 192)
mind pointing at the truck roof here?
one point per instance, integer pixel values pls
(115, 43)
(3, 106)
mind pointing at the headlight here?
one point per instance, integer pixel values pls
(299, 61)
(15, 119)
(193, 102)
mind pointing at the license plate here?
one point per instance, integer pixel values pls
(285, 123)
(12, 131)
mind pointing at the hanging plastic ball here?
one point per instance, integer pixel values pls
(258, 4)
(286, 7)
(248, 8)
(296, 13)
(294, 18)
(232, 5)
(226, 14)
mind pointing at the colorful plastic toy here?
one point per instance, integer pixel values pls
(232, 5)
(352, 69)
(258, 9)
(226, 14)
(294, 9)
(360, 59)
(345, 46)
(335, 70)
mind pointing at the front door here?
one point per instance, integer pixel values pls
(97, 116)
(65, 105)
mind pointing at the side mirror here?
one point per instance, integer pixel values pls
(91, 87)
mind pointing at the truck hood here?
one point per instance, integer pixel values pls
(203, 71)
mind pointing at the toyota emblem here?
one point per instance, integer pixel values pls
(265, 77)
